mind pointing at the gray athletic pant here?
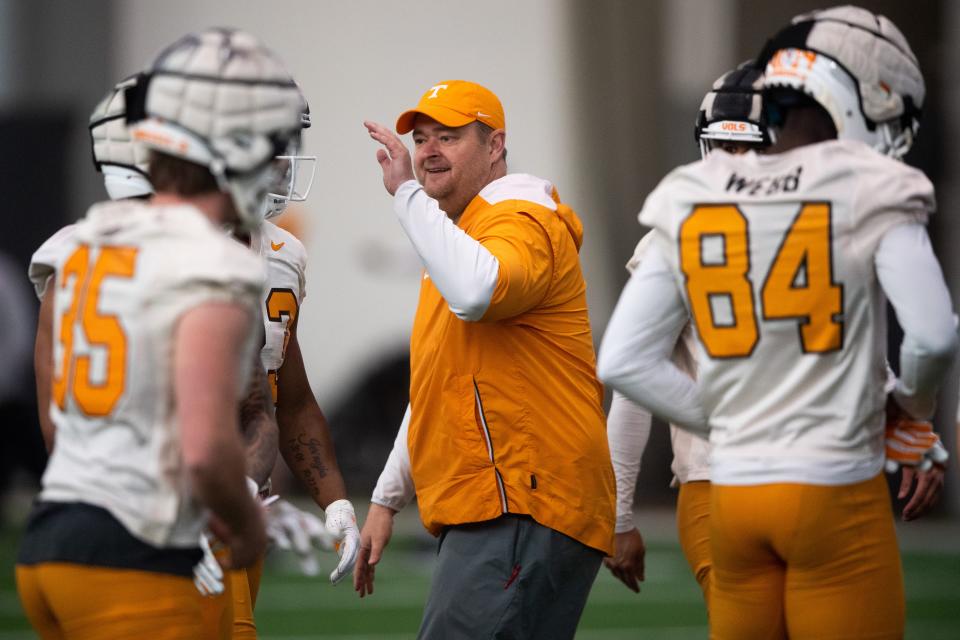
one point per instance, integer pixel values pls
(508, 578)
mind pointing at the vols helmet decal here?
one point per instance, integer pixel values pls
(733, 110)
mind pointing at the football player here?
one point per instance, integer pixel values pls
(781, 262)
(304, 436)
(123, 164)
(154, 316)
(730, 118)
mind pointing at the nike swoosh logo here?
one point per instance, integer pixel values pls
(277, 247)
(426, 276)
(482, 115)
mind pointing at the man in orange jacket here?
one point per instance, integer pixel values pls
(504, 438)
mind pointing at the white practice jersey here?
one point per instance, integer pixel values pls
(774, 256)
(123, 280)
(285, 260)
(691, 453)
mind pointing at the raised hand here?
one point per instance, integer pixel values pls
(394, 157)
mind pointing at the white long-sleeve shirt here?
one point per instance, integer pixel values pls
(395, 485)
(628, 430)
(462, 269)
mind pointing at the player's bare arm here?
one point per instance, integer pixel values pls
(43, 366)
(307, 447)
(305, 441)
(258, 426)
(205, 373)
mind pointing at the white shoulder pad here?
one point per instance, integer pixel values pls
(659, 209)
(43, 262)
(521, 186)
(218, 260)
(279, 244)
(186, 248)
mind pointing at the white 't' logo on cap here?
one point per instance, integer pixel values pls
(436, 88)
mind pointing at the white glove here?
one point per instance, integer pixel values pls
(291, 529)
(252, 487)
(342, 525)
(207, 574)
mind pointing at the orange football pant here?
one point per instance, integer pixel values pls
(246, 586)
(80, 602)
(693, 529)
(805, 561)
(230, 615)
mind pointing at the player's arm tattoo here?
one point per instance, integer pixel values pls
(307, 455)
(258, 425)
(305, 439)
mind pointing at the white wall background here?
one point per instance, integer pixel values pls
(365, 59)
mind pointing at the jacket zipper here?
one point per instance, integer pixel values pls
(486, 435)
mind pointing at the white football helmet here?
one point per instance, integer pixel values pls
(732, 111)
(859, 67)
(121, 160)
(221, 99)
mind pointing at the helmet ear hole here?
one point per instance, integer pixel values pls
(134, 96)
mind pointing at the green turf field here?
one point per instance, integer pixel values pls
(292, 607)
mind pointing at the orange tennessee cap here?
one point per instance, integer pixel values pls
(454, 103)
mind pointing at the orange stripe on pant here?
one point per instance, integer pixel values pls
(80, 602)
(693, 529)
(804, 562)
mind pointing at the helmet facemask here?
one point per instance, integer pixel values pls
(294, 174)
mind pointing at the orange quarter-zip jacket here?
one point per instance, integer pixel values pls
(505, 407)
